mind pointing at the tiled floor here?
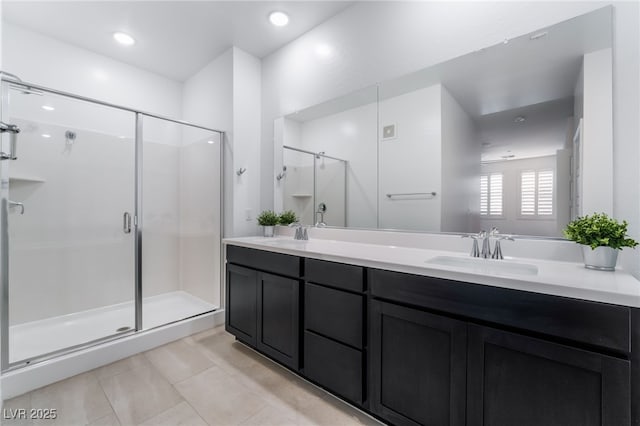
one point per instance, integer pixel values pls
(204, 379)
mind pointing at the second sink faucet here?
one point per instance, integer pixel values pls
(486, 237)
(301, 231)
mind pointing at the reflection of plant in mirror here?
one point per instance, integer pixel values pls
(287, 217)
(267, 218)
(599, 230)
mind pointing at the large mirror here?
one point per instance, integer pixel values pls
(517, 136)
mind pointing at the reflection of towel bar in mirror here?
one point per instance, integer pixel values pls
(427, 195)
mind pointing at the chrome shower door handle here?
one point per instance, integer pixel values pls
(13, 131)
(126, 222)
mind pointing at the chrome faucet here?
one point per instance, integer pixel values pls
(301, 231)
(475, 252)
(497, 250)
(486, 238)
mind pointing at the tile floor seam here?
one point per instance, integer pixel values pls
(157, 414)
(108, 400)
(194, 409)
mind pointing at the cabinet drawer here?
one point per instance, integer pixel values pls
(592, 323)
(263, 260)
(348, 277)
(334, 313)
(337, 367)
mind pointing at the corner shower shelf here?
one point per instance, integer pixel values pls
(25, 178)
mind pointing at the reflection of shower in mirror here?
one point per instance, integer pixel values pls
(69, 140)
(282, 174)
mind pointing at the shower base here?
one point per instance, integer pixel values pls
(36, 338)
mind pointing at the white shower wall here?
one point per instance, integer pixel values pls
(68, 251)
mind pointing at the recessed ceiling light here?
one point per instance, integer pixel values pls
(209, 141)
(46, 135)
(519, 119)
(123, 38)
(47, 107)
(279, 19)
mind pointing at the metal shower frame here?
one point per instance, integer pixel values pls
(16, 82)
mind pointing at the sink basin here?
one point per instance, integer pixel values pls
(485, 266)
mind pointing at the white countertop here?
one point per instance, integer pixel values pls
(556, 278)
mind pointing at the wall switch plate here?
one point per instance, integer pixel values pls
(248, 213)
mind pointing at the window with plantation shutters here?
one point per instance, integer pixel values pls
(491, 194)
(536, 194)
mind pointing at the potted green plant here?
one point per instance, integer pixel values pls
(268, 219)
(287, 217)
(601, 237)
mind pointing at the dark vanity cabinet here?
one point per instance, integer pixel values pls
(418, 366)
(516, 379)
(419, 350)
(453, 353)
(334, 328)
(263, 302)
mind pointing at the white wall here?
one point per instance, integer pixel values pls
(225, 95)
(597, 133)
(246, 139)
(460, 168)
(411, 162)
(511, 223)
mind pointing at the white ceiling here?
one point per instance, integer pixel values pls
(174, 38)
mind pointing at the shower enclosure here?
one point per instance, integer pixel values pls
(315, 187)
(110, 222)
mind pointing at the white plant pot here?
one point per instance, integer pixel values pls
(268, 231)
(600, 258)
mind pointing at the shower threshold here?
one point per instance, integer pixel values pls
(36, 338)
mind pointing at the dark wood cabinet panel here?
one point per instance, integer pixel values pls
(334, 313)
(593, 323)
(418, 366)
(241, 303)
(278, 318)
(278, 263)
(334, 366)
(524, 381)
(339, 275)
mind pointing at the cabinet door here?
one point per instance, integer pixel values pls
(519, 380)
(418, 366)
(278, 318)
(241, 299)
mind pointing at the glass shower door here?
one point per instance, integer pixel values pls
(69, 202)
(181, 166)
